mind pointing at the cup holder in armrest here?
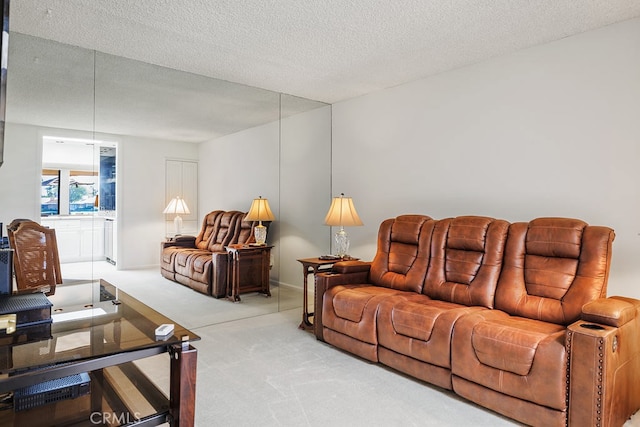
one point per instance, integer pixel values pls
(591, 326)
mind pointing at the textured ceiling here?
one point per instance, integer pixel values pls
(326, 50)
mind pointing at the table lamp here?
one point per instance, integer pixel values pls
(342, 213)
(177, 206)
(260, 211)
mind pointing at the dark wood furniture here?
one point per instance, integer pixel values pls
(255, 263)
(105, 331)
(315, 266)
(309, 266)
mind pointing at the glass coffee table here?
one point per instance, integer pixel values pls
(80, 370)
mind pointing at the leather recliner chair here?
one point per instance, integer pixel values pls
(200, 262)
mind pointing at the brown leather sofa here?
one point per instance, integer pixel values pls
(513, 317)
(200, 262)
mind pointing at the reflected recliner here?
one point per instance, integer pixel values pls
(200, 262)
(513, 317)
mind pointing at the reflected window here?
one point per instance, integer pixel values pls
(81, 197)
(49, 192)
(78, 176)
(83, 191)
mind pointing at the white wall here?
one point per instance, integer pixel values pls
(552, 130)
(141, 197)
(305, 191)
(20, 174)
(238, 168)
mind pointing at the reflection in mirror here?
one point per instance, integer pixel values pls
(138, 99)
(247, 142)
(49, 94)
(50, 85)
(75, 173)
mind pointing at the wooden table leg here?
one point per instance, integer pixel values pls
(306, 323)
(233, 283)
(266, 260)
(236, 277)
(182, 387)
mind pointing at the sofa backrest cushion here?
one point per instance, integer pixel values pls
(209, 227)
(552, 267)
(466, 259)
(224, 231)
(244, 230)
(403, 253)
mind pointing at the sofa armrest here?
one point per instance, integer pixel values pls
(342, 273)
(181, 241)
(613, 311)
(219, 274)
(346, 267)
(603, 350)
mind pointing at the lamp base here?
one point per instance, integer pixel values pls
(260, 233)
(177, 223)
(342, 243)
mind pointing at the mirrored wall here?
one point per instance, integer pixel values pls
(247, 142)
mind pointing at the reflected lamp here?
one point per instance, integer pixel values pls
(342, 213)
(177, 206)
(260, 211)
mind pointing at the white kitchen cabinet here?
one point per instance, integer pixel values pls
(80, 238)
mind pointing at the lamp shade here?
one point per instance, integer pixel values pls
(177, 206)
(342, 212)
(260, 211)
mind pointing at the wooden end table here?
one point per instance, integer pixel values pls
(315, 266)
(259, 255)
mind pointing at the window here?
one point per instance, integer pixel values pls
(83, 188)
(49, 191)
(78, 176)
(79, 197)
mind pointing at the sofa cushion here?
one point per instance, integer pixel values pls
(349, 313)
(199, 270)
(412, 320)
(552, 267)
(517, 357)
(466, 258)
(199, 262)
(244, 231)
(510, 344)
(181, 260)
(167, 262)
(184, 261)
(224, 231)
(350, 304)
(209, 227)
(168, 255)
(418, 327)
(403, 253)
